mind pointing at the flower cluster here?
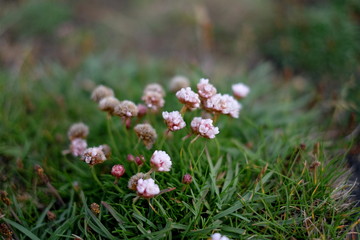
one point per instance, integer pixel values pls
(174, 120)
(77, 135)
(189, 98)
(218, 236)
(153, 96)
(204, 127)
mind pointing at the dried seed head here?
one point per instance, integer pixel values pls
(93, 155)
(41, 174)
(117, 171)
(4, 198)
(78, 130)
(314, 165)
(126, 109)
(108, 104)
(178, 82)
(51, 216)
(78, 146)
(106, 150)
(155, 87)
(95, 208)
(5, 231)
(134, 180)
(101, 92)
(146, 133)
(187, 179)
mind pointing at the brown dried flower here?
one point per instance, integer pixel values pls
(108, 104)
(95, 208)
(5, 231)
(126, 109)
(101, 92)
(134, 179)
(4, 198)
(51, 216)
(146, 133)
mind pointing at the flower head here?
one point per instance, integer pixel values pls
(78, 130)
(205, 89)
(155, 87)
(126, 109)
(108, 104)
(188, 97)
(133, 181)
(160, 161)
(217, 236)
(147, 188)
(117, 170)
(153, 100)
(240, 90)
(178, 82)
(224, 104)
(174, 120)
(204, 127)
(187, 179)
(142, 110)
(78, 146)
(146, 133)
(101, 92)
(93, 155)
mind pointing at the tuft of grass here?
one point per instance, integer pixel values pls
(253, 181)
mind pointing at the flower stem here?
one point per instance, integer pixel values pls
(93, 173)
(183, 110)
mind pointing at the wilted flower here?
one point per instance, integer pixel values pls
(187, 179)
(101, 92)
(106, 150)
(240, 90)
(78, 130)
(133, 181)
(78, 146)
(224, 104)
(205, 89)
(146, 133)
(155, 87)
(108, 104)
(126, 109)
(160, 161)
(51, 216)
(217, 236)
(178, 82)
(117, 170)
(95, 208)
(147, 188)
(204, 127)
(174, 120)
(153, 100)
(93, 155)
(188, 97)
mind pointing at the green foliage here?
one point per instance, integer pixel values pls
(320, 40)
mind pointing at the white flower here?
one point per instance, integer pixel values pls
(204, 127)
(160, 161)
(93, 155)
(174, 120)
(147, 188)
(240, 90)
(224, 104)
(205, 89)
(78, 146)
(188, 97)
(217, 236)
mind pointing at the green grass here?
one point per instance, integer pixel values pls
(251, 182)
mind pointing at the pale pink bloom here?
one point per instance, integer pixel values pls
(204, 127)
(78, 146)
(160, 161)
(153, 100)
(155, 87)
(224, 104)
(174, 120)
(117, 170)
(93, 155)
(142, 110)
(217, 236)
(205, 89)
(147, 188)
(240, 90)
(188, 97)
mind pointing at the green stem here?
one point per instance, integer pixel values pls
(93, 173)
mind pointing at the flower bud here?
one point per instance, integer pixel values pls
(187, 179)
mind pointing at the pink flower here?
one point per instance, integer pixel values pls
(217, 236)
(204, 127)
(205, 89)
(142, 110)
(174, 120)
(93, 155)
(78, 146)
(188, 97)
(117, 170)
(224, 104)
(147, 188)
(187, 179)
(240, 90)
(160, 161)
(153, 100)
